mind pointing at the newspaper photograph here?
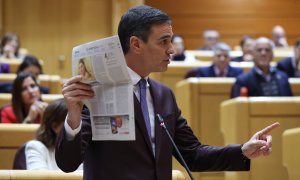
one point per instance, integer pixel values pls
(102, 65)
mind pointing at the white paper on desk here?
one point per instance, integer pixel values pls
(102, 65)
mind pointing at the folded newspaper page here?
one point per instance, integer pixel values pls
(102, 65)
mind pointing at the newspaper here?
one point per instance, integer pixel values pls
(102, 65)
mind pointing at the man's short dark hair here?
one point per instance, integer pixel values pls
(137, 21)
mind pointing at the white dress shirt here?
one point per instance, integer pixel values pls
(135, 78)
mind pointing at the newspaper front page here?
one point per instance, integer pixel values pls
(102, 65)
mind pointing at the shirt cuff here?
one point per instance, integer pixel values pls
(71, 133)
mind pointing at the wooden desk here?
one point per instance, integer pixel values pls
(12, 136)
(242, 117)
(279, 54)
(290, 152)
(56, 175)
(39, 175)
(199, 100)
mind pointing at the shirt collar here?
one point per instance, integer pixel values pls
(218, 72)
(259, 71)
(135, 78)
(294, 64)
(267, 77)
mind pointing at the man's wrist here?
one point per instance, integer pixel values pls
(245, 158)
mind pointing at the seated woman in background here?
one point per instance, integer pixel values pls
(30, 64)
(10, 45)
(27, 106)
(39, 154)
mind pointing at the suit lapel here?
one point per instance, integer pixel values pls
(281, 86)
(230, 72)
(139, 119)
(255, 83)
(211, 72)
(156, 96)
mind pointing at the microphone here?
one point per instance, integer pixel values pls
(162, 124)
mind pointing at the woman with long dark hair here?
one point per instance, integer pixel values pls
(27, 106)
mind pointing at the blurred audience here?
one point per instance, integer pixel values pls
(220, 66)
(31, 65)
(179, 46)
(246, 44)
(278, 37)
(26, 106)
(4, 67)
(262, 80)
(39, 154)
(10, 46)
(291, 65)
(210, 39)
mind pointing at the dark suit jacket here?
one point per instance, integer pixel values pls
(134, 160)
(286, 66)
(209, 72)
(251, 80)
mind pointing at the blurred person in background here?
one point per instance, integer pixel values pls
(246, 44)
(179, 47)
(278, 37)
(10, 46)
(220, 66)
(262, 79)
(31, 65)
(39, 154)
(210, 39)
(291, 65)
(26, 106)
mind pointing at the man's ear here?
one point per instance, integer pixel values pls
(135, 44)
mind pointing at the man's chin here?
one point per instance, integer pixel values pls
(161, 69)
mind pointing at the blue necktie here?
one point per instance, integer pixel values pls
(144, 106)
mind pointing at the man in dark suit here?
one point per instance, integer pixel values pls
(220, 66)
(262, 80)
(291, 65)
(145, 34)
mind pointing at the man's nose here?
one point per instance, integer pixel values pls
(171, 49)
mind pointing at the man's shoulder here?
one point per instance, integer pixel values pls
(246, 76)
(285, 61)
(35, 145)
(156, 84)
(282, 74)
(235, 69)
(206, 71)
